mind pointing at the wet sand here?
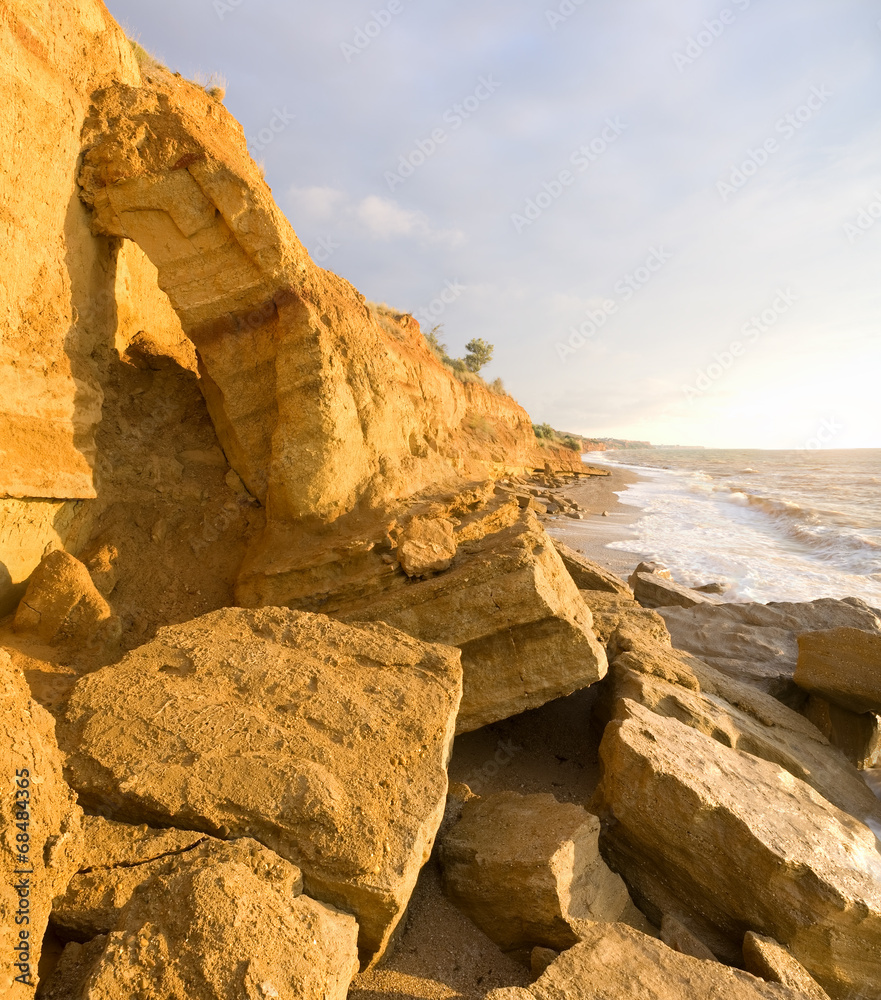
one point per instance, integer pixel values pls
(591, 536)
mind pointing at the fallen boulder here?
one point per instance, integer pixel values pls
(758, 643)
(649, 567)
(616, 962)
(679, 686)
(62, 604)
(589, 575)
(280, 725)
(39, 831)
(764, 957)
(224, 928)
(528, 871)
(116, 859)
(842, 665)
(654, 591)
(426, 545)
(741, 845)
(510, 606)
(618, 612)
(678, 937)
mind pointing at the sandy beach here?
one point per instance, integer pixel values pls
(599, 494)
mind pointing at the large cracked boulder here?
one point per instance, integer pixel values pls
(327, 743)
(116, 859)
(843, 665)
(510, 605)
(527, 870)
(233, 926)
(740, 844)
(758, 643)
(39, 830)
(679, 686)
(616, 962)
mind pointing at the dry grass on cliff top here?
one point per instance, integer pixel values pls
(214, 84)
(394, 321)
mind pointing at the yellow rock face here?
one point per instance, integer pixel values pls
(317, 405)
(740, 843)
(39, 830)
(57, 295)
(326, 743)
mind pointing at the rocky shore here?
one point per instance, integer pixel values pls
(606, 519)
(299, 697)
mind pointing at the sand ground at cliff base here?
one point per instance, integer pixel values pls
(591, 536)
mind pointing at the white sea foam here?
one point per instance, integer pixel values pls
(807, 525)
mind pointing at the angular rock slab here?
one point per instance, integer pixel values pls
(325, 742)
(764, 957)
(856, 734)
(757, 643)
(231, 929)
(616, 962)
(589, 575)
(510, 605)
(743, 718)
(527, 870)
(39, 830)
(744, 846)
(614, 612)
(654, 591)
(843, 665)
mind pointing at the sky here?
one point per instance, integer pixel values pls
(666, 216)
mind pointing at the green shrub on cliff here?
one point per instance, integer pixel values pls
(465, 369)
(557, 439)
(479, 355)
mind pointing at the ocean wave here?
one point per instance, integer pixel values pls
(844, 547)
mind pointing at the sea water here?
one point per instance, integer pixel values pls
(770, 525)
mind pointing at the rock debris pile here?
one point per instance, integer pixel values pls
(271, 576)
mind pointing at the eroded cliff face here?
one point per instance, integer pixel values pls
(144, 256)
(70, 302)
(318, 407)
(57, 296)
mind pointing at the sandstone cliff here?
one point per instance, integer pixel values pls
(317, 407)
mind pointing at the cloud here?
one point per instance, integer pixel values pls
(656, 186)
(375, 217)
(319, 203)
(384, 219)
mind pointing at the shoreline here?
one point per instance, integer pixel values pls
(590, 537)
